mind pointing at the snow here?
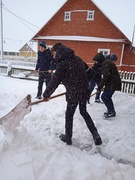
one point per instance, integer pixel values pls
(33, 150)
(80, 38)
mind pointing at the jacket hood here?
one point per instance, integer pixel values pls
(99, 57)
(64, 53)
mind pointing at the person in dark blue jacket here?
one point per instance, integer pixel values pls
(44, 66)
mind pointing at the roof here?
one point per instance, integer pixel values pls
(81, 38)
(26, 48)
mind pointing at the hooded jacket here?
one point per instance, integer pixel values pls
(110, 76)
(70, 71)
(95, 71)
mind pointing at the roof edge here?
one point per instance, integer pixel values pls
(80, 38)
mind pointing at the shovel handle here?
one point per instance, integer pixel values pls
(44, 100)
(55, 96)
(96, 92)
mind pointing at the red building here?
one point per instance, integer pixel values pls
(82, 26)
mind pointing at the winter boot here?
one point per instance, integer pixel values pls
(38, 97)
(97, 138)
(110, 114)
(98, 101)
(65, 139)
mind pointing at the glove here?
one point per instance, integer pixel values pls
(46, 99)
(46, 95)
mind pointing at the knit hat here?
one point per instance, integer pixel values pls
(113, 57)
(43, 44)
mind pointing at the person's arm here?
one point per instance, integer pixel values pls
(50, 59)
(105, 69)
(55, 81)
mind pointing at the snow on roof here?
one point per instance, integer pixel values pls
(80, 38)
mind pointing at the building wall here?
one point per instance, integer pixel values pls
(27, 54)
(101, 27)
(79, 26)
(87, 50)
(128, 59)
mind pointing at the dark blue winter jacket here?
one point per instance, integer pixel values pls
(45, 61)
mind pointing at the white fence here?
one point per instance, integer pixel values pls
(128, 82)
(128, 78)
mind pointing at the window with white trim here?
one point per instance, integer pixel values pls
(105, 52)
(67, 16)
(90, 15)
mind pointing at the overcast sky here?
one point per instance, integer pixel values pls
(38, 12)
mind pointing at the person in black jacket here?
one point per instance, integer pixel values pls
(111, 82)
(70, 71)
(94, 74)
(44, 67)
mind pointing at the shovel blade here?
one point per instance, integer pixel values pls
(11, 120)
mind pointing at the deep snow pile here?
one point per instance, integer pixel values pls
(34, 151)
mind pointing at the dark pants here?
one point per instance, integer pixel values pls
(107, 99)
(71, 107)
(92, 84)
(43, 77)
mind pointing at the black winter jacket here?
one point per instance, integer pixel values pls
(95, 72)
(45, 60)
(70, 71)
(111, 78)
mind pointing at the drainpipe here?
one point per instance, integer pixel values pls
(121, 58)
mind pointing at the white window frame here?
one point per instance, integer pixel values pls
(90, 15)
(67, 16)
(104, 51)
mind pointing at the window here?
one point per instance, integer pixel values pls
(90, 15)
(105, 52)
(67, 16)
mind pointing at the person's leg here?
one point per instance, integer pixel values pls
(107, 99)
(48, 78)
(40, 85)
(89, 123)
(71, 107)
(97, 97)
(91, 85)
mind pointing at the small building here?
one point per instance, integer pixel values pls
(27, 51)
(82, 26)
(9, 53)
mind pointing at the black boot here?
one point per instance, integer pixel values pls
(97, 138)
(65, 139)
(38, 97)
(110, 114)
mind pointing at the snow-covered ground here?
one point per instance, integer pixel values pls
(34, 152)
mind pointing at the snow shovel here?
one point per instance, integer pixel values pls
(13, 118)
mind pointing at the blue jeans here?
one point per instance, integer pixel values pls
(107, 99)
(92, 84)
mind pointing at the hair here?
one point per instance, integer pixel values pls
(56, 46)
